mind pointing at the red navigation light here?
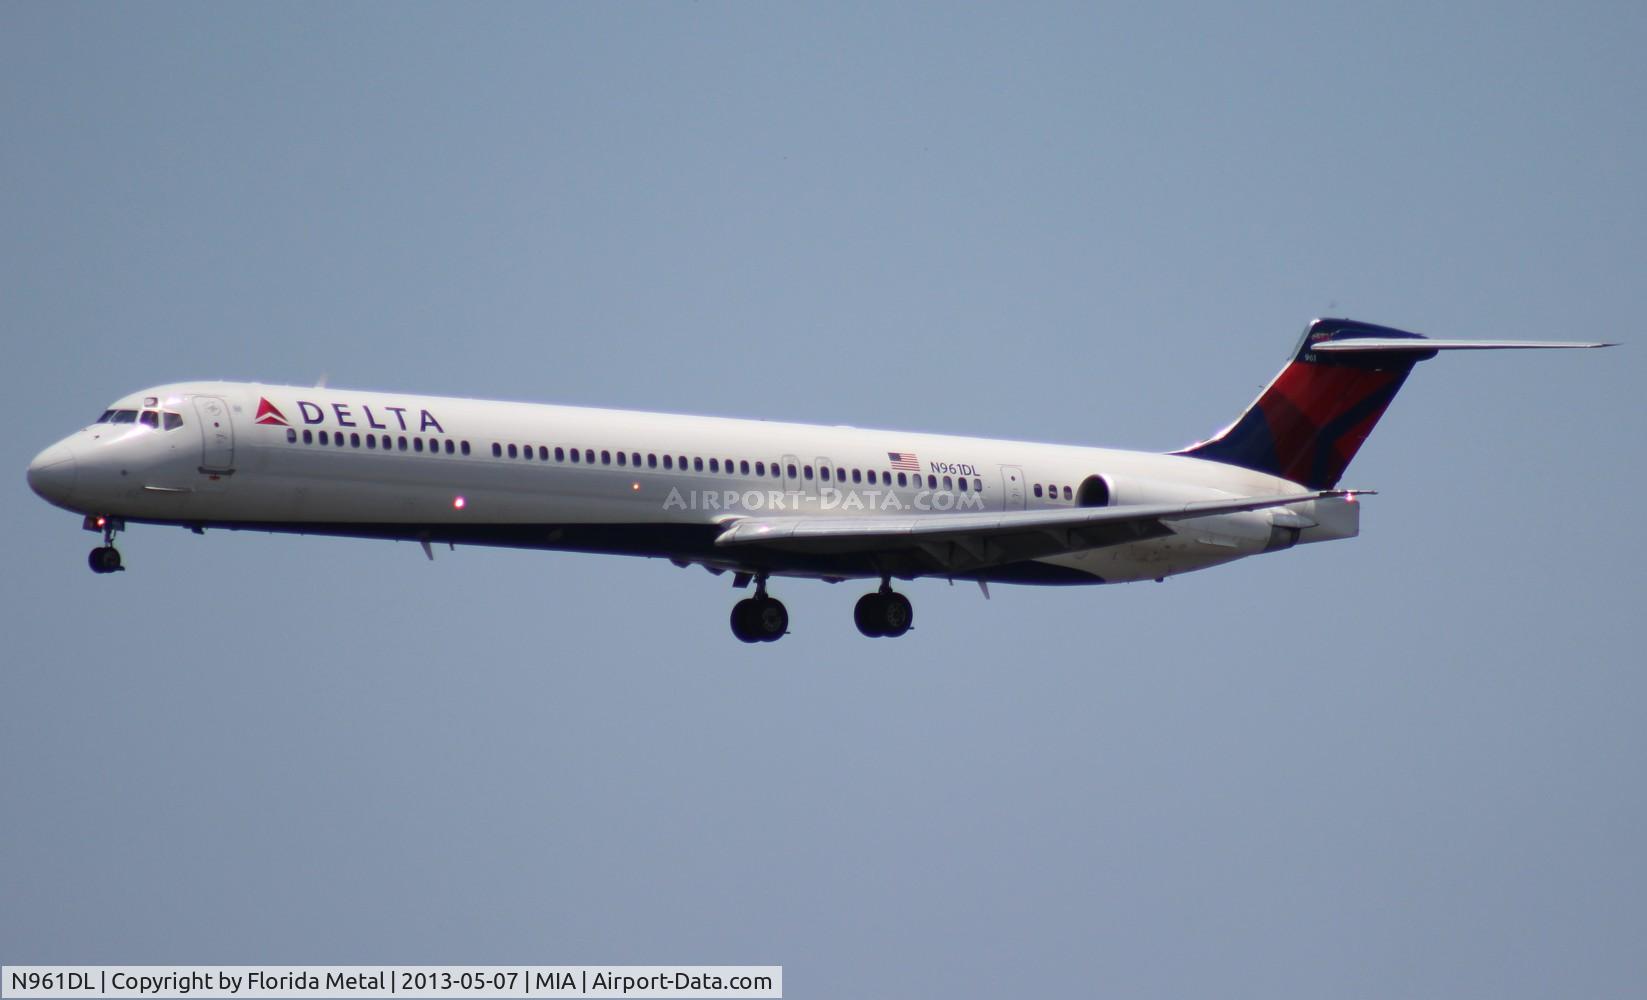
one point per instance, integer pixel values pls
(458, 503)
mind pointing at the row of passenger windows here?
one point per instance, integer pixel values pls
(589, 456)
(385, 442)
(153, 419)
(731, 467)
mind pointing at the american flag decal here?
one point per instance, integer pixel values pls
(904, 461)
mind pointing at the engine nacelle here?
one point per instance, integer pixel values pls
(1243, 531)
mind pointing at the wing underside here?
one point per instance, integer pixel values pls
(966, 542)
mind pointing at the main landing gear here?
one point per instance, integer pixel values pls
(760, 618)
(885, 613)
(105, 558)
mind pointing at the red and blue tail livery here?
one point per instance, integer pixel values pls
(1309, 422)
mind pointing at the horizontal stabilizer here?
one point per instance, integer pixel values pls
(1414, 345)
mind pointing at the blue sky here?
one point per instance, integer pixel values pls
(1408, 764)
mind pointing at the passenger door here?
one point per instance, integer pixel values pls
(1012, 485)
(216, 435)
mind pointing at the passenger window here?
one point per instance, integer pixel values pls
(652, 461)
(634, 459)
(560, 454)
(526, 452)
(401, 442)
(576, 456)
(337, 439)
(668, 461)
(588, 456)
(354, 440)
(697, 465)
(173, 420)
(389, 443)
(760, 468)
(464, 447)
(1037, 489)
(743, 467)
(857, 476)
(961, 482)
(324, 439)
(150, 419)
(791, 472)
(714, 465)
(606, 458)
(449, 448)
(497, 450)
(903, 479)
(949, 484)
(513, 451)
(291, 436)
(623, 459)
(1068, 494)
(371, 441)
(308, 436)
(978, 485)
(931, 481)
(823, 473)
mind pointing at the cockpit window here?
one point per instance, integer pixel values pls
(149, 419)
(123, 417)
(173, 420)
(105, 417)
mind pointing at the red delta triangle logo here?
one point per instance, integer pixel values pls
(268, 413)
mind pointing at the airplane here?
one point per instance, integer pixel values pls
(754, 498)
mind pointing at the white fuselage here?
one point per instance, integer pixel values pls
(281, 458)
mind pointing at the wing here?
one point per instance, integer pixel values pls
(975, 540)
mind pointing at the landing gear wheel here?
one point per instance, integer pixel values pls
(760, 619)
(897, 615)
(105, 559)
(887, 613)
(743, 617)
(866, 614)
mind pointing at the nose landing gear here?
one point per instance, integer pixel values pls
(760, 618)
(884, 613)
(105, 558)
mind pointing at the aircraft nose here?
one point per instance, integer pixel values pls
(52, 473)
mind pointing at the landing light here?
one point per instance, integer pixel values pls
(635, 487)
(458, 503)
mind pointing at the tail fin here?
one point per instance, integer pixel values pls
(1309, 422)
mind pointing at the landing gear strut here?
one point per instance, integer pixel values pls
(105, 558)
(760, 618)
(884, 613)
